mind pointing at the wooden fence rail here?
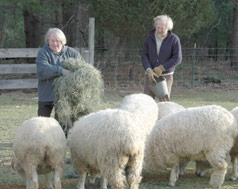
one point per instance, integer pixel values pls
(23, 68)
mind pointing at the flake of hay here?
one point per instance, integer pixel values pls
(78, 93)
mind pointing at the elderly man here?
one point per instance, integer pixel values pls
(161, 54)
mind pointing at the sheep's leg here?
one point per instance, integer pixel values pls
(113, 170)
(202, 167)
(31, 178)
(182, 165)
(92, 179)
(218, 161)
(177, 172)
(48, 181)
(234, 168)
(28, 183)
(103, 183)
(173, 175)
(82, 179)
(118, 180)
(217, 178)
(114, 176)
(35, 179)
(57, 177)
(133, 171)
(199, 171)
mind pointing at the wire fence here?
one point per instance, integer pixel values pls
(200, 67)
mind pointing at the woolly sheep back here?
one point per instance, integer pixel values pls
(142, 105)
(166, 108)
(40, 142)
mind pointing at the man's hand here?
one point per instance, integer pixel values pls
(158, 70)
(151, 76)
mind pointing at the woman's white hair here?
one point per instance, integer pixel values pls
(58, 34)
(168, 19)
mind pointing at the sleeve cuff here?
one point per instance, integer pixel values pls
(146, 71)
(59, 70)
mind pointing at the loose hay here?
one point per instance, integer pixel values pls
(78, 93)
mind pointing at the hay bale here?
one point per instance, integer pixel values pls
(78, 93)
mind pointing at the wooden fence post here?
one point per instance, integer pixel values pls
(91, 40)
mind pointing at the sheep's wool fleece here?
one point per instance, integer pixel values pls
(190, 133)
(35, 135)
(234, 111)
(78, 93)
(234, 150)
(112, 133)
(166, 108)
(144, 107)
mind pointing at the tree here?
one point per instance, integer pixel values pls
(130, 20)
(11, 25)
(39, 15)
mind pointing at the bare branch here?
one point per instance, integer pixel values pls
(68, 22)
(218, 23)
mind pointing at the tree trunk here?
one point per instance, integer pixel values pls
(57, 18)
(100, 41)
(33, 29)
(83, 24)
(234, 38)
(3, 24)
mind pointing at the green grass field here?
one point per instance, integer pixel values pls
(15, 107)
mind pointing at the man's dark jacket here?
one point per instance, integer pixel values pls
(170, 53)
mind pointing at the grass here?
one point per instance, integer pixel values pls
(198, 97)
(15, 107)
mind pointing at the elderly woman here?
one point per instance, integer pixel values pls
(161, 54)
(49, 63)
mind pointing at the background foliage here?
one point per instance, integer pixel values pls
(119, 23)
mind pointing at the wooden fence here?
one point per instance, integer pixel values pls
(23, 68)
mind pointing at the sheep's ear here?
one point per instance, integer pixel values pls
(13, 163)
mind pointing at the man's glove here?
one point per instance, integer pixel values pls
(151, 76)
(158, 70)
(65, 72)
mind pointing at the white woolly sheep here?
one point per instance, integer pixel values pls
(166, 108)
(201, 133)
(39, 147)
(111, 142)
(203, 166)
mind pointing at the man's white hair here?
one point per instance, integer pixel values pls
(167, 19)
(58, 34)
